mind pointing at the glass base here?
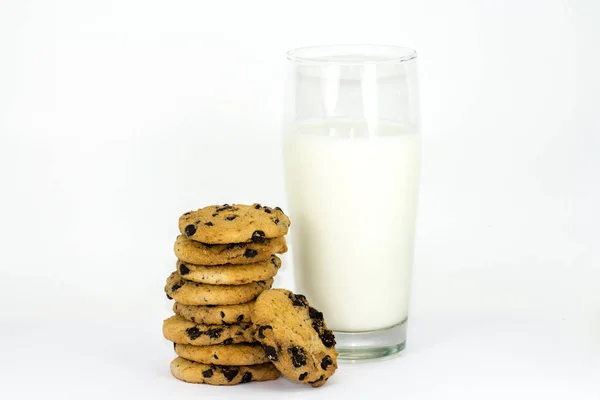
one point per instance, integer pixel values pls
(355, 347)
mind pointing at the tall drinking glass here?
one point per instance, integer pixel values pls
(351, 150)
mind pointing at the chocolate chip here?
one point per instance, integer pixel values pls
(222, 314)
(215, 214)
(276, 220)
(247, 377)
(214, 333)
(257, 206)
(175, 287)
(258, 237)
(169, 297)
(228, 341)
(298, 356)
(208, 373)
(183, 270)
(315, 314)
(232, 246)
(267, 210)
(317, 325)
(327, 338)
(262, 329)
(302, 376)
(271, 353)
(231, 217)
(274, 262)
(278, 209)
(250, 253)
(208, 223)
(240, 318)
(230, 372)
(187, 213)
(216, 357)
(298, 300)
(226, 207)
(193, 332)
(190, 230)
(326, 362)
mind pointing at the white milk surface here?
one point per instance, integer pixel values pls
(352, 199)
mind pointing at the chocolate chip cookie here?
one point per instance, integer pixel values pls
(193, 372)
(200, 294)
(234, 253)
(295, 337)
(224, 354)
(236, 223)
(179, 330)
(215, 315)
(229, 274)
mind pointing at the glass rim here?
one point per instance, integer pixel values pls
(356, 54)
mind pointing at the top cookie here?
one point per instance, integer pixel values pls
(238, 223)
(295, 337)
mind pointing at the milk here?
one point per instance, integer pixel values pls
(352, 200)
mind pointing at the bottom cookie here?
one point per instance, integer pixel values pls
(193, 372)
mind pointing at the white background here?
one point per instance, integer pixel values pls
(117, 116)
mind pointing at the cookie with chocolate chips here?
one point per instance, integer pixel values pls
(199, 253)
(193, 372)
(215, 314)
(237, 223)
(181, 331)
(229, 274)
(199, 294)
(224, 354)
(295, 337)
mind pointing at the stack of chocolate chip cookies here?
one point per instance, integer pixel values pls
(226, 258)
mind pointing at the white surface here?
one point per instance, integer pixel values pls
(116, 116)
(337, 184)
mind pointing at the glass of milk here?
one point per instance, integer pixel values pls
(351, 150)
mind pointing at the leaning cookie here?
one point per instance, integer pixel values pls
(196, 294)
(230, 274)
(295, 337)
(193, 372)
(223, 354)
(238, 223)
(181, 331)
(199, 253)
